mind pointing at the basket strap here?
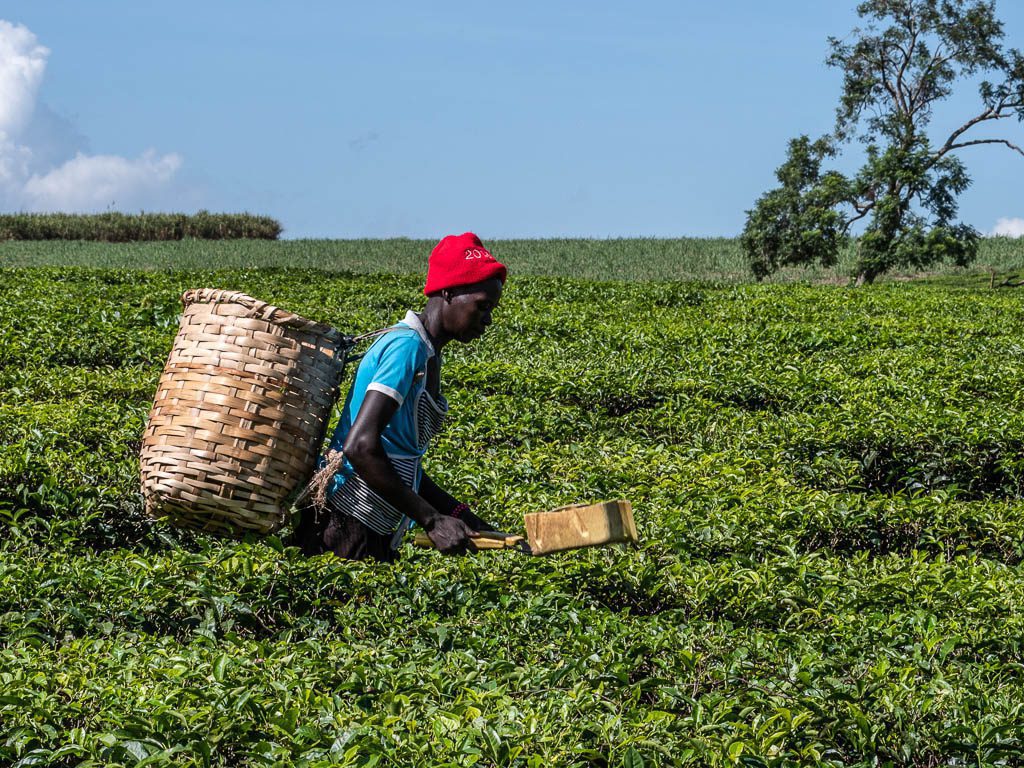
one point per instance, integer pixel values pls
(348, 343)
(351, 341)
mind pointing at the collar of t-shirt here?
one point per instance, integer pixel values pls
(413, 321)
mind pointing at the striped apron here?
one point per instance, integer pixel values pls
(356, 499)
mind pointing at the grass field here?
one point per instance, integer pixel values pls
(683, 259)
(828, 483)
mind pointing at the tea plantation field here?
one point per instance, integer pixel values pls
(827, 481)
(720, 259)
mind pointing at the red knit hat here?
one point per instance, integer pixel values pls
(461, 260)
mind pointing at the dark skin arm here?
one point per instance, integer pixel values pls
(366, 454)
(441, 500)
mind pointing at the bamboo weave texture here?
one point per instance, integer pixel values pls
(239, 415)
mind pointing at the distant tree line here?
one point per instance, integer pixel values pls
(123, 228)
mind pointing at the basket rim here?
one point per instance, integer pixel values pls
(260, 309)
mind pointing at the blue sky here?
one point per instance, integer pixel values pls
(344, 119)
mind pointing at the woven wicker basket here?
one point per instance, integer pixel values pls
(239, 415)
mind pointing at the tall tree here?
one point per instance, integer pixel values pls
(910, 55)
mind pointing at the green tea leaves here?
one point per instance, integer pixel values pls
(827, 483)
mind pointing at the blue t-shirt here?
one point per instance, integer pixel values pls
(395, 365)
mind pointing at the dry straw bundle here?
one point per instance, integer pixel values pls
(240, 413)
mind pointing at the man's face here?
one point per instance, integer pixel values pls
(469, 311)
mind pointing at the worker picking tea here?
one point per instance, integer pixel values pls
(371, 486)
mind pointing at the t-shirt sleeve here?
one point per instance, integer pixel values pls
(399, 361)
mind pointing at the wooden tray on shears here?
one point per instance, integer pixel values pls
(558, 530)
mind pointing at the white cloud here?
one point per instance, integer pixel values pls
(22, 64)
(44, 165)
(1009, 228)
(87, 183)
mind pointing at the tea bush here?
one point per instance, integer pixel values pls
(828, 485)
